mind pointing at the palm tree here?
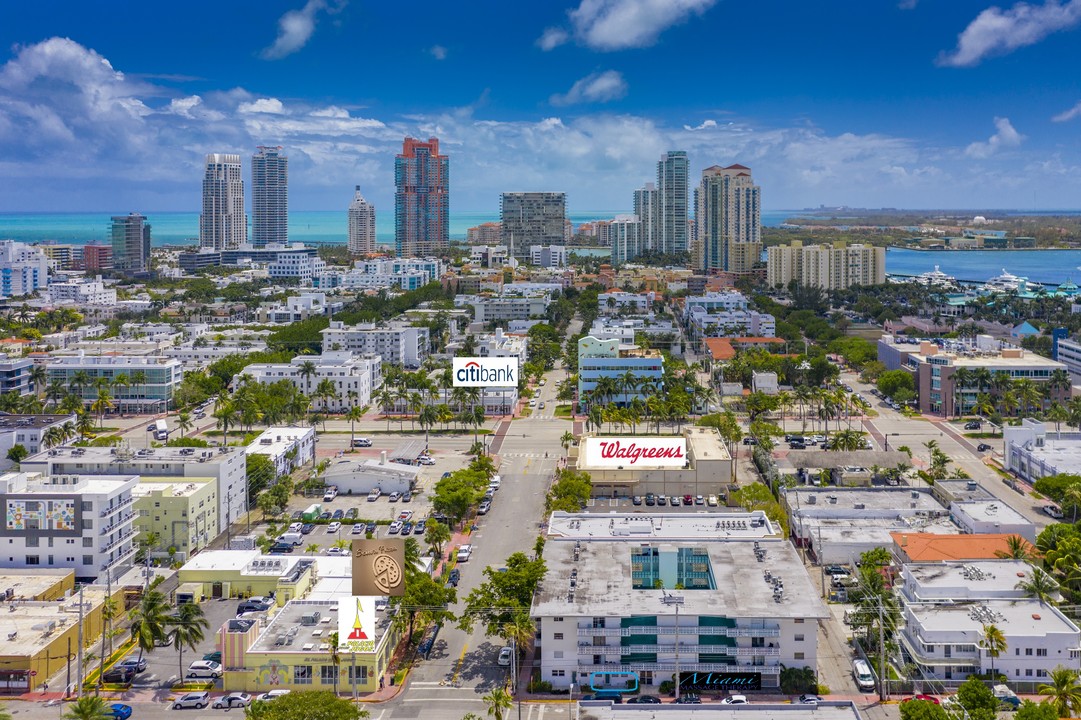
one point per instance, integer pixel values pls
(226, 414)
(39, 377)
(1017, 548)
(386, 401)
(1063, 691)
(183, 422)
(335, 657)
(188, 629)
(80, 379)
(566, 439)
(1058, 415)
(1040, 585)
(102, 405)
(499, 701)
(994, 644)
(962, 377)
(307, 371)
(1059, 382)
(120, 383)
(88, 707)
(55, 391)
(353, 415)
(148, 621)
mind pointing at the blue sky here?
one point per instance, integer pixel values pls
(919, 103)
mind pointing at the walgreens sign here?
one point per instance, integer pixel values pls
(485, 372)
(635, 452)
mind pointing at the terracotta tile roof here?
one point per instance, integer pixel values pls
(931, 547)
(720, 348)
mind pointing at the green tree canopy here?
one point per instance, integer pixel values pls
(307, 705)
(891, 381)
(922, 710)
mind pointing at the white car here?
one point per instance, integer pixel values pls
(464, 552)
(735, 700)
(426, 461)
(333, 527)
(809, 699)
(205, 669)
(337, 551)
(374, 495)
(711, 501)
(505, 656)
(232, 700)
(273, 694)
(358, 528)
(295, 527)
(197, 700)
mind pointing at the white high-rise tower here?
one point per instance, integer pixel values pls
(672, 196)
(729, 220)
(361, 225)
(223, 224)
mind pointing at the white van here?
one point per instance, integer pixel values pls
(294, 538)
(1053, 510)
(861, 671)
(160, 430)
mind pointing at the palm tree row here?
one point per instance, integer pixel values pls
(981, 391)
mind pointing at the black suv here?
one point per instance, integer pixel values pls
(972, 425)
(689, 699)
(121, 675)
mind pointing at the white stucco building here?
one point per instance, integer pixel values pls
(354, 378)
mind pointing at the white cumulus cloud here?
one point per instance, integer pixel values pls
(552, 37)
(998, 32)
(273, 106)
(621, 24)
(595, 88)
(1005, 137)
(704, 125)
(296, 27)
(438, 52)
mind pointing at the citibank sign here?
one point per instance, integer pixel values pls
(485, 372)
(635, 452)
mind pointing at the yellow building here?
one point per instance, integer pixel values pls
(39, 626)
(244, 573)
(182, 511)
(288, 646)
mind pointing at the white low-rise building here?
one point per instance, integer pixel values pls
(152, 381)
(396, 343)
(1032, 452)
(510, 307)
(616, 585)
(287, 447)
(300, 307)
(356, 477)
(497, 344)
(981, 517)
(353, 378)
(68, 521)
(616, 301)
(947, 608)
(24, 269)
(85, 292)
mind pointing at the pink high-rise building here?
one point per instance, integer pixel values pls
(421, 199)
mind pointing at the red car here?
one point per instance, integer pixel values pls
(688, 499)
(928, 698)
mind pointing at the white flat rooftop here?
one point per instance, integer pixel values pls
(973, 576)
(1014, 617)
(699, 527)
(995, 511)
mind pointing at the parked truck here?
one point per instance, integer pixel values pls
(312, 513)
(160, 430)
(1006, 696)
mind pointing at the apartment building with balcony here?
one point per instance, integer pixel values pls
(152, 381)
(396, 343)
(354, 378)
(182, 512)
(79, 522)
(608, 358)
(622, 591)
(947, 607)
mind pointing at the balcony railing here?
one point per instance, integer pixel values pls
(587, 649)
(670, 666)
(733, 632)
(116, 523)
(112, 544)
(119, 506)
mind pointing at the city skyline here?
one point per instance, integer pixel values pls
(910, 104)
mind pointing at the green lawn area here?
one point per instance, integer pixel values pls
(563, 411)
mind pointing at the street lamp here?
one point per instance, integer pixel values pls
(886, 437)
(676, 600)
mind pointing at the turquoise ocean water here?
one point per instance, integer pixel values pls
(170, 228)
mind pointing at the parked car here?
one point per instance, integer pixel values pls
(636, 500)
(651, 499)
(119, 675)
(274, 694)
(644, 700)
(454, 577)
(215, 656)
(325, 515)
(358, 529)
(197, 700)
(662, 500)
(351, 513)
(426, 461)
(374, 495)
(306, 528)
(674, 501)
(711, 501)
(250, 606)
(119, 711)
(136, 663)
(464, 553)
(692, 699)
(281, 548)
(735, 700)
(232, 700)
(972, 425)
(688, 499)
(337, 551)
(699, 500)
(420, 527)
(484, 507)
(983, 447)
(395, 527)
(338, 514)
(297, 515)
(204, 669)
(395, 496)
(750, 440)
(809, 699)
(334, 527)
(407, 528)
(407, 497)
(371, 527)
(506, 654)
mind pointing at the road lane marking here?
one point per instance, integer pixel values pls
(458, 665)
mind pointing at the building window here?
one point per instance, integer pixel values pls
(798, 621)
(1028, 651)
(557, 619)
(87, 506)
(758, 642)
(558, 654)
(799, 638)
(302, 674)
(559, 673)
(33, 541)
(598, 622)
(88, 542)
(797, 656)
(1028, 672)
(557, 636)
(328, 674)
(361, 674)
(1041, 652)
(33, 560)
(88, 559)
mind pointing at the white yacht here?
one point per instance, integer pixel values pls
(1005, 282)
(936, 278)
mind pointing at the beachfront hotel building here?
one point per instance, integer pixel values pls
(130, 236)
(24, 269)
(222, 224)
(830, 267)
(626, 235)
(269, 196)
(361, 225)
(531, 218)
(728, 220)
(421, 199)
(672, 203)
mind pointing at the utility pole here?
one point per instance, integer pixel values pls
(79, 650)
(677, 601)
(883, 693)
(514, 670)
